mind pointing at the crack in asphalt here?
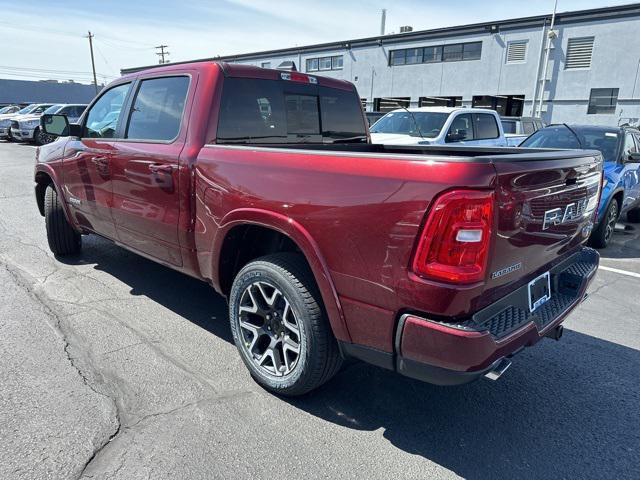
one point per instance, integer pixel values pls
(35, 288)
(18, 277)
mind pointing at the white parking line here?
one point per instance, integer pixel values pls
(621, 272)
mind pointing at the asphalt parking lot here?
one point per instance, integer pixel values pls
(116, 367)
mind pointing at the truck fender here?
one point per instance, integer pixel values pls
(43, 168)
(307, 245)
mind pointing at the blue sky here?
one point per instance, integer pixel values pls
(39, 41)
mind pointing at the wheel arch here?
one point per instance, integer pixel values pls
(275, 232)
(45, 176)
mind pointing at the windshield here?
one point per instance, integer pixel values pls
(28, 109)
(54, 109)
(591, 138)
(429, 123)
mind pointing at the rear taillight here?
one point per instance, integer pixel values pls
(454, 244)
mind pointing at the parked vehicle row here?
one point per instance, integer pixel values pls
(438, 262)
(619, 146)
(23, 125)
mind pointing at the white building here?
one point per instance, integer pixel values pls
(593, 72)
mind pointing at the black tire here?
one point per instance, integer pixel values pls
(318, 357)
(634, 215)
(62, 238)
(38, 137)
(603, 233)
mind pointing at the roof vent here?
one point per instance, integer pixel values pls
(406, 29)
(288, 66)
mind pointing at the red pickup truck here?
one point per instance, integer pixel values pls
(439, 263)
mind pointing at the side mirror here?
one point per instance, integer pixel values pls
(456, 136)
(58, 126)
(634, 157)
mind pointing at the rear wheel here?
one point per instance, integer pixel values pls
(279, 325)
(602, 235)
(62, 238)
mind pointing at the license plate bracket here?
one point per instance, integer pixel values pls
(539, 290)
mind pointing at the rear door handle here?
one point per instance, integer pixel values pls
(162, 168)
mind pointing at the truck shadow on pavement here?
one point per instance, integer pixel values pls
(561, 411)
(188, 297)
(568, 410)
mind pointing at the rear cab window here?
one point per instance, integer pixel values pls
(264, 111)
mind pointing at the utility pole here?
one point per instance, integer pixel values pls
(162, 53)
(383, 21)
(93, 63)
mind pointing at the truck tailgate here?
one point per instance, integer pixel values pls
(546, 209)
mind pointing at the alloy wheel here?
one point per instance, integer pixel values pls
(611, 221)
(269, 329)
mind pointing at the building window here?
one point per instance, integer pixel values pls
(517, 51)
(455, 52)
(603, 100)
(265, 64)
(505, 105)
(440, 102)
(324, 63)
(388, 104)
(432, 54)
(452, 53)
(579, 53)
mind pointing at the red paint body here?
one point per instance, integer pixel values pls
(356, 216)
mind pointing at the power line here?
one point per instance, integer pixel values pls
(162, 53)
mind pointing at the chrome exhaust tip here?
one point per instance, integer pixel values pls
(555, 333)
(498, 369)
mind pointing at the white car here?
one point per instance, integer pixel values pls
(26, 128)
(439, 126)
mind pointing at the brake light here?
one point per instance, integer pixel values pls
(454, 245)
(299, 77)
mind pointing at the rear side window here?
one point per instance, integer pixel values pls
(486, 126)
(509, 126)
(278, 111)
(528, 128)
(157, 109)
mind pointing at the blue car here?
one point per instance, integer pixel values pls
(620, 147)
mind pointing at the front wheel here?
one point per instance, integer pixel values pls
(279, 325)
(602, 235)
(62, 238)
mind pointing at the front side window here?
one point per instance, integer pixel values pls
(486, 126)
(157, 109)
(103, 116)
(629, 146)
(461, 128)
